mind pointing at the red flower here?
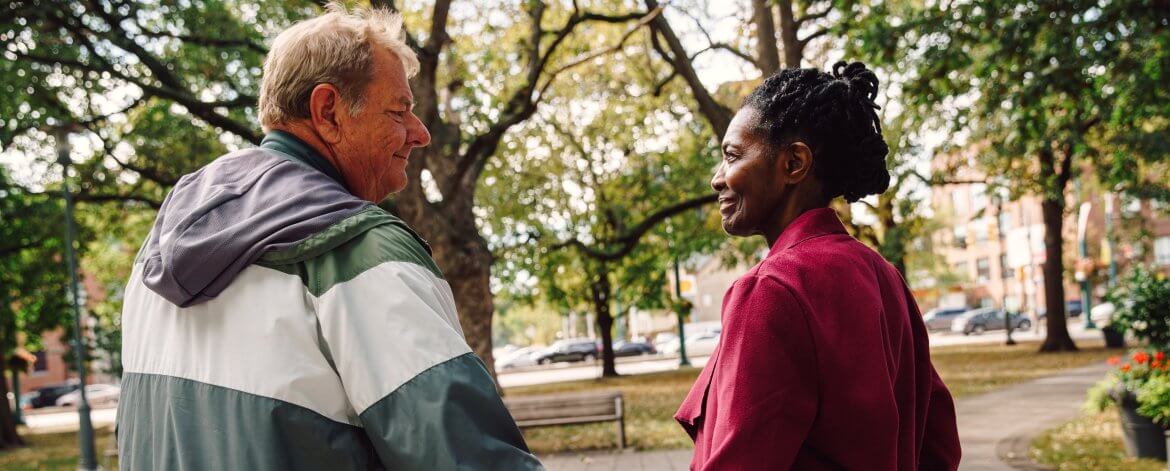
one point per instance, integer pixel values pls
(1115, 361)
(1155, 364)
(1160, 356)
(1141, 357)
(1125, 368)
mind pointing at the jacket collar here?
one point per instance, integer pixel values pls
(810, 224)
(292, 148)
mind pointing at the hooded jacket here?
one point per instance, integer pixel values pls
(275, 321)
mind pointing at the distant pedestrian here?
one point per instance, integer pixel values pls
(823, 362)
(276, 319)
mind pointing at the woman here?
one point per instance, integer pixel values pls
(824, 361)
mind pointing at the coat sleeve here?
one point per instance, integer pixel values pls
(767, 383)
(423, 398)
(940, 445)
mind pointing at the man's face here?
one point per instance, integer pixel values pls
(376, 142)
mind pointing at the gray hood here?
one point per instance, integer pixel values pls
(225, 216)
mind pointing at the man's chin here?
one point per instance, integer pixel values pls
(732, 229)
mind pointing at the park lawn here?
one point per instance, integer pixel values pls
(56, 451)
(651, 399)
(1089, 443)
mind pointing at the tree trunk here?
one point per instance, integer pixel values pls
(602, 293)
(8, 435)
(464, 258)
(768, 57)
(793, 48)
(1057, 339)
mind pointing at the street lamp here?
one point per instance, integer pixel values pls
(88, 459)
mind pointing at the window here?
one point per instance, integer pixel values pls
(1005, 224)
(978, 196)
(981, 230)
(1130, 206)
(1004, 270)
(961, 270)
(957, 201)
(1162, 250)
(983, 269)
(960, 234)
(42, 362)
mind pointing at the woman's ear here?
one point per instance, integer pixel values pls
(798, 161)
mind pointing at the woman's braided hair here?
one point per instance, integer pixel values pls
(836, 116)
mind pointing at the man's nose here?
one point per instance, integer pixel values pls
(416, 133)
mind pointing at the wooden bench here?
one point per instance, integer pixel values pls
(571, 408)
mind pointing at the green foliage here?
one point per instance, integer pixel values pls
(1143, 307)
(33, 276)
(1154, 400)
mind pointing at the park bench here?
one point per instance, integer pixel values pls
(568, 409)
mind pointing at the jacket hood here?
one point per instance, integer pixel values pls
(225, 216)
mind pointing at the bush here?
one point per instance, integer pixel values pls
(1143, 307)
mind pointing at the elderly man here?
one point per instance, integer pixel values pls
(277, 319)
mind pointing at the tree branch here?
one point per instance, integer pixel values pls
(628, 241)
(715, 113)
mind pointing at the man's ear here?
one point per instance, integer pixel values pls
(798, 161)
(324, 107)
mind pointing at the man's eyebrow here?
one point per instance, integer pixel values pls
(405, 101)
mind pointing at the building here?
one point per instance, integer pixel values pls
(993, 253)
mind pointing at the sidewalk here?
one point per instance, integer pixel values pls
(996, 429)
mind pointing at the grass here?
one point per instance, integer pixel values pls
(56, 451)
(652, 399)
(1091, 442)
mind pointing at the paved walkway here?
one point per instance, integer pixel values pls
(996, 428)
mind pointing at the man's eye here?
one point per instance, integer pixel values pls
(728, 157)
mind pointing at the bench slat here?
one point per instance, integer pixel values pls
(566, 421)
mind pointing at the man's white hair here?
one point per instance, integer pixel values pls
(335, 48)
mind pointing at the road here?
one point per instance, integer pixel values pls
(65, 420)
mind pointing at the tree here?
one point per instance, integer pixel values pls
(76, 58)
(33, 280)
(1048, 87)
(579, 195)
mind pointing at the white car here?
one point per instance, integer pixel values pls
(520, 357)
(701, 344)
(94, 393)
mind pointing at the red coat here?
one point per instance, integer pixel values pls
(823, 363)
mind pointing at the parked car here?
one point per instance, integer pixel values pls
(979, 321)
(48, 395)
(940, 318)
(1072, 308)
(95, 394)
(569, 350)
(525, 356)
(623, 348)
(702, 344)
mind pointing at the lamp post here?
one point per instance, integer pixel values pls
(88, 459)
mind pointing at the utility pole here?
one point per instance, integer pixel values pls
(1007, 316)
(88, 458)
(1082, 273)
(682, 334)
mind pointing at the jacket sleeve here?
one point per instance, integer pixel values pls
(766, 398)
(424, 400)
(940, 445)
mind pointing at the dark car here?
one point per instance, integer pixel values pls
(48, 395)
(569, 350)
(940, 318)
(630, 349)
(1072, 308)
(979, 321)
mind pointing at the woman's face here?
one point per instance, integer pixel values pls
(746, 180)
